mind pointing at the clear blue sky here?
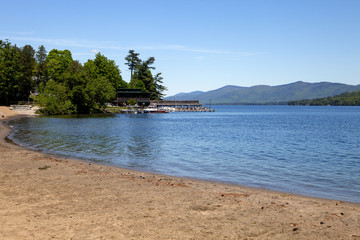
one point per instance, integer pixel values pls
(200, 44)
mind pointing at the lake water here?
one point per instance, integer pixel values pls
(312, 151)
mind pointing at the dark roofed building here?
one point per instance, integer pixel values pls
(125, 94)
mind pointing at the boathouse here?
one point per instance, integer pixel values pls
(123, 95)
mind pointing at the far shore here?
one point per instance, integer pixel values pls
(48, 197)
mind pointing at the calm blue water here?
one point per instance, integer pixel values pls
(311, 151)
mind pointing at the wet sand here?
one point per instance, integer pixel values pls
(49, 197)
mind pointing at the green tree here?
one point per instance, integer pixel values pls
(27, 66)
(132, 61)
(75, 79)
(75, 88)
(53, 99)
(131, 102)
(57, 62)
(101, 66)
(143, 73)
(87, 94)
(151, 84)
(136, 83)
(10, 72)
(98, 92)
(40, 71)
(158, 88)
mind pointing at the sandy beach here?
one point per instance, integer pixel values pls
(49, 197)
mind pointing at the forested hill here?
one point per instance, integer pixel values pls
(345, 99)
(263, 94)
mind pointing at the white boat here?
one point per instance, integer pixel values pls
(169, 109)
(154, 109)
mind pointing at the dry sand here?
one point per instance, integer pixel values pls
(48, 197)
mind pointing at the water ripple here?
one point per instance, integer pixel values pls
(305, 150)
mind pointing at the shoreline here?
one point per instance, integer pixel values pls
(67, 156)
(45, 196)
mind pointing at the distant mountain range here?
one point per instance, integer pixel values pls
(263, 94)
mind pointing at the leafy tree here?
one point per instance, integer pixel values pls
(57, 62)
(131, 102)
(142, 77)
(75, 75)
(40, 71)
(143, 73)
(101, 66)
(66, 86)
(74, 88)
(158, 88)
(98, 92)
(136, 83)
(53, 99)
(27, 66)
(10, 72)
(75, 79)
(87, 94)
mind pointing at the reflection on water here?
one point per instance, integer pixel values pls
(306, 150)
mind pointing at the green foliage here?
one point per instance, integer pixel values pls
(132, 60)
(87, 88)
(53, 99)
(40, 70)
(143, 73)
(131, 102)
(86, 93)
(142, 77)
(16, 72)
(345, 99)
(27, 65)
(98, 92)
(101, 66)
(136, 83)
(10, 72)
(65, 86)
(74, 88)
(75, 79)
(157, 87)
(57, 62)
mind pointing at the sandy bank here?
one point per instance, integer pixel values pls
(47, 197)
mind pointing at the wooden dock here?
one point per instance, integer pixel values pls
(180, 106)
(174, 103)
(166, 105)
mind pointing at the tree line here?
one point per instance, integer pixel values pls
(61, 85)
(344, 99)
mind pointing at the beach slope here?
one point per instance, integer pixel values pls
(49, 197)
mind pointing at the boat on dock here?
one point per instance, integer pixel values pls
(157, 106)
(154, 109)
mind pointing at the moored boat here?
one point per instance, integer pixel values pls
(153, 109)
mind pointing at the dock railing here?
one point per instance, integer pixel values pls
(175, 103)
